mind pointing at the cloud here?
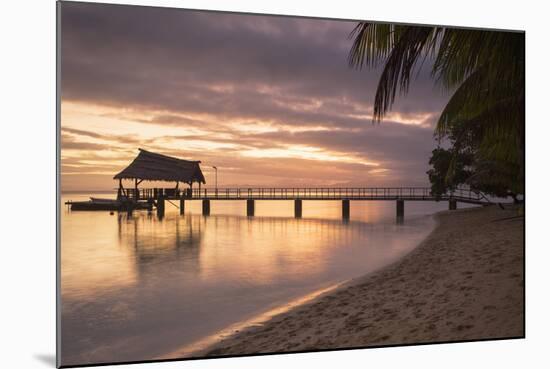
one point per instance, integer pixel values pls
(178, 59)
(231, 84)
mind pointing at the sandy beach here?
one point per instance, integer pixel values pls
(464, 282)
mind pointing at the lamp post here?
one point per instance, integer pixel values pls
(216, 169)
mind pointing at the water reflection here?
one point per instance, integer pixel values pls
(154, 240)
(136, 287)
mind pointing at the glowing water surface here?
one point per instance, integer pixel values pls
(139, 287)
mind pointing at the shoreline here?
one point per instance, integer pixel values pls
(458, 284)
(199, 348)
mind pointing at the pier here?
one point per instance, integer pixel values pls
(149, 166)
(300, 196)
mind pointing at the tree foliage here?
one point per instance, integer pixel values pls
(441, 161)
(484, 117)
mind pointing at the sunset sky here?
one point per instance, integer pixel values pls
(270, 101)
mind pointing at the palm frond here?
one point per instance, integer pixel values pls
(400, 47)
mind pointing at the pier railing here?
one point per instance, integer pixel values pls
(318, 193)
(332, 193)
(315, 193)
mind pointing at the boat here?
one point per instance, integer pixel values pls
(108, 204)
(100, 200)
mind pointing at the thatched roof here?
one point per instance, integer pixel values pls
(151, 166)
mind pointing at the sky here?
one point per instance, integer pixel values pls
(270, 100)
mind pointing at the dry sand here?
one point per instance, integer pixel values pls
(464, 282)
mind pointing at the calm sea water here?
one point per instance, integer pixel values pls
(137, 288)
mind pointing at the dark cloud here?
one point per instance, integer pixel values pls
(169, 59)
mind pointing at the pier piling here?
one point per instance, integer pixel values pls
(452, 204)
(250, 208)
(400, 209)
(297, 208)
(345, 209)
(205, 207)
(160, 205)
(182, 205)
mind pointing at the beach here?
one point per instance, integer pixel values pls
(463, 282)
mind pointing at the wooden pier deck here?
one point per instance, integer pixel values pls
(158, 196)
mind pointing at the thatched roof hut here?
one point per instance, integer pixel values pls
(150, 166)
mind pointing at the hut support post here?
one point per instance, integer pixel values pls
(298, 208)
(205, 207)
(452, 204)
(121, 190)
(250, 208)
(345, 208)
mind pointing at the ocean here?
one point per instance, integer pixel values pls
(138, 287)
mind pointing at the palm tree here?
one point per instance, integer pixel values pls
(484, 70)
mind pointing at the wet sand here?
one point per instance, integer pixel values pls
(464, 282)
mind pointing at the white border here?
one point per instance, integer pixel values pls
(28, 166)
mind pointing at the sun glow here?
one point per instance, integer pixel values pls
(305, 152)
(99, 140)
